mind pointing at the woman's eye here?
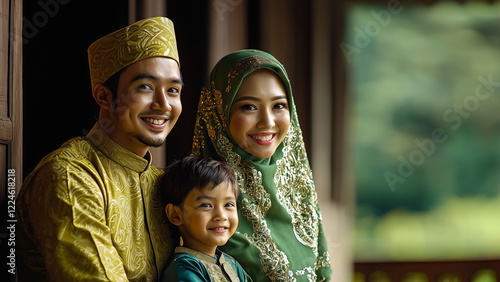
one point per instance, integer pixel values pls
(281, 106)
(248, 107)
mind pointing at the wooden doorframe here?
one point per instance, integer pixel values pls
(15, 149)
(11, 96)
(11, 124)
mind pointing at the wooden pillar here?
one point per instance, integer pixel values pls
(11, 94)
(11, 126)
(228, 29)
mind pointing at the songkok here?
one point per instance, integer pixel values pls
(151, 37)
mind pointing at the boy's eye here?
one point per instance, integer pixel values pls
(230, 205)
(205, 205)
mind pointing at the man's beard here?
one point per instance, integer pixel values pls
(151, 142)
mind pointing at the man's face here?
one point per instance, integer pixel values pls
(147, 104)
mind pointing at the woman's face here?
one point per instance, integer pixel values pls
(260, 116)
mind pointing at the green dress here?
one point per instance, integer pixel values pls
(280, 234)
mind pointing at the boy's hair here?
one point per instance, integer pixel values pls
(195, 172)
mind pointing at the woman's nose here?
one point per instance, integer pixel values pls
(266, 119)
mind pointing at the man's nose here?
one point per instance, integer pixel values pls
(161, 102)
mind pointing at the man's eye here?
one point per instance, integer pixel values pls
(174, 90)
(145, 87)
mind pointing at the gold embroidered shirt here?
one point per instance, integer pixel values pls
(90, 212)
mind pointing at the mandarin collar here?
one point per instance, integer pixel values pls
(219, 259)
(114, 151)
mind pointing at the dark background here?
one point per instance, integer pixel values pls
(58, 103)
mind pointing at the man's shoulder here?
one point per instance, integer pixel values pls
(56, 170)
(73, 153)
(72, 150)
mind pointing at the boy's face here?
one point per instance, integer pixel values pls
(208, 218)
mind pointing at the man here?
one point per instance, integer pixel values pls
(91, 210)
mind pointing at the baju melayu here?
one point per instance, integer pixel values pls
(280, 232)
(91, 211)
(189, 265)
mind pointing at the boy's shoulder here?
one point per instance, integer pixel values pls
(185, 266)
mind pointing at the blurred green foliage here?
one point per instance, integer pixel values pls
(424, 96)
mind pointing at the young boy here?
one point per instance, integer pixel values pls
(200, 195)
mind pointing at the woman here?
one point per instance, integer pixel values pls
(247, 117)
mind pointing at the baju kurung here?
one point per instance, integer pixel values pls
(280, 233)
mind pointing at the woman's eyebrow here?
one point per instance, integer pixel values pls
(247, 98)
(252, 98)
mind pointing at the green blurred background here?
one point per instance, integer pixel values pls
(424, 95)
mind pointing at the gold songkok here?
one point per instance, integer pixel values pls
(151, 37)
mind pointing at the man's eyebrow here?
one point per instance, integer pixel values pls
(143, 76)
(178, 81)
(148, 76)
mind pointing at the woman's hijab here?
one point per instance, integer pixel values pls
(280, 234)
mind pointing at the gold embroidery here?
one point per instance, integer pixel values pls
(146, 38)
(104, 212)
(244, 65)
(294, 191)
(293, 180)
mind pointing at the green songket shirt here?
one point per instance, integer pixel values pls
(91, 211)
(190, 265)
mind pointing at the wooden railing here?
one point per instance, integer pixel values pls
(428, 271)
